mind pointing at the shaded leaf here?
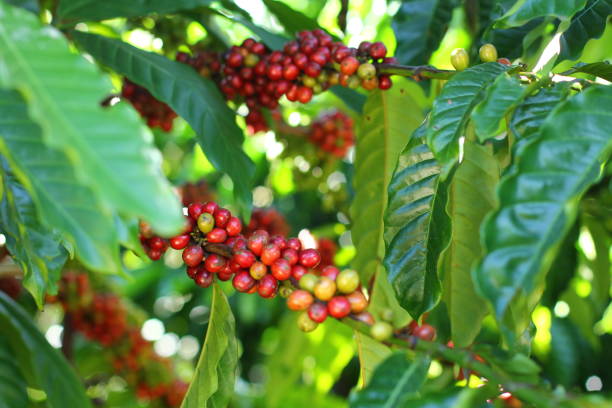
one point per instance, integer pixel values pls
(416, 228)
(419, 27)
(471, 196)
(451, 398)
(451, 111)
(292, 20)
(213, 383)
(562, 270)
(42, 366)
(513, 365)
(394, 380)
(12, 384)
(192, 96)
(510, 41)
(599, 69)
(36, 249)
(111, 149)
(371, 353)
(353, 99)
(63, 202)
(588, 23)
(93, 10)
(526, 10)
(537, 207)
(387, 122)
(500, 97)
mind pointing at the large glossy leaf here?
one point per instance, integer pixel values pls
(111, 149)
(371, 353)
(388, 120)
(213, 383)
(36, 248)
(600, 69)
(192, 96)
(419, 26)
(526, 10)
(510, 42)
(64, 203)
(12, 384)
(471, 196)
(562, 269)
(93, 10)
(538, 207)
(394, 380)
(500, 97)
(588, 23)
(452, 109)
(292, 20)
(416, 228)
(42, 366)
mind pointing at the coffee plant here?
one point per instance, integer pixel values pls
(293, 204)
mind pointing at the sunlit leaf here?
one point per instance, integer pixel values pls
(526, 10)
(588, 23)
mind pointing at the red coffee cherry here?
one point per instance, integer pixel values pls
(294, 244)
(267, 287)
(243, 282)
(233, 227)
(203, 278)
(384, 82)
(192, 271)
(349, 65)
(210, 207)
(157, 243)
(299, 300)
(317, 312)
(358, 302)
(222, 216)
(257, 241)
(154, 254)
(378, 50)
(281, 269)
(270, 253)
(365, 317)
(217, 235)
(244, 258)
(330, 271)
(339, 307)
(309, 258)
(297, 271)
(425, 332)
(192, 255)
(291, 255)
(215, 263)
(180, 241)
(194, 210)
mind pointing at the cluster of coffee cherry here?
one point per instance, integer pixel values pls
(156, 113)
(103, 317)
(214, 248)
(333, 133)
(268, 219)
(198, 191)
(460, 58)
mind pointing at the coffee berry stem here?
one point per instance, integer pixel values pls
(423, 71)
(463, 358)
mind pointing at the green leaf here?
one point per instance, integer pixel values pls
(452, 108)
(192, 96)
(416, 228)
(394, 380)
(371, 353)
(512, 365)
(471, 196)
(292, 20)
(538, 207)
(599, 69)
(213, 383)
(388, 119)
(562, 269)
(92, 10)
(43, 367)
(12, 384)
(36, 249)
(526, 10)
(588, 23)
(419, 27)
(451, 398)
(353, 99)
(511, 42)
(111, 149)
(63, 202)
(502, 96)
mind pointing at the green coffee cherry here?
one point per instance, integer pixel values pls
(460, 59)
(488, 53)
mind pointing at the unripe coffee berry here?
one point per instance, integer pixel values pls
(317, 312)
(305, 323)
(299, 300)
(325, 288)
(347, 281)
(386, 315)
(381, 331)
(308, 282)
(339, 307)
(358, 302)
(206, 222)
(488, 53)
(258, 270)
(460, 59)
(366, 71)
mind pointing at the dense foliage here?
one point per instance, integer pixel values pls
(425, 185)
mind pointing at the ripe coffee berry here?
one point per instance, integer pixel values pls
(192, 255)
(358, 302)
(281, 269)
(297, 271)
(331, 272)
(309, 258)
(180, 241)
(244, 258)
(378, 50)
(333, 132)
(243, 282)
(270, 253)
(299, 300)
(194, 210)
(305, 323)
(317, 312)
(425, 332)
(381, 331)
(203, 278)
(339, 307)
(349, 65)
(365, 317)
(325, 288)
(214, 263)
(221, 216)
(217, 235)
(267, 286)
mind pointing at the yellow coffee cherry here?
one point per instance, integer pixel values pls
(460, 59)
(488, 53)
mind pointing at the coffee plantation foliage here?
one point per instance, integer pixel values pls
(279, 203)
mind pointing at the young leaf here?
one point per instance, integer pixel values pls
(488, 115)
(526, 10)
(599, 69)
(42, 366)
(452, 109)
(537, 208)
(63, 202)
(419, 26)
(12, 384)
(108, 146)
(195, 98)
(93, 10)
(292, 20)
(394, 380)
(588, 23)
(213, 383)
(471, 196)
(388, 119)
(371, 353)
(416, 228)
(36, 249)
